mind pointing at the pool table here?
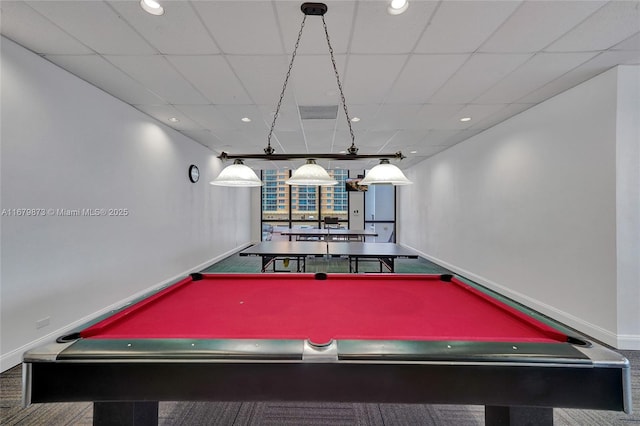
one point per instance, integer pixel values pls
(386, 338)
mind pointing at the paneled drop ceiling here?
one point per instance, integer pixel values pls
(409, 78)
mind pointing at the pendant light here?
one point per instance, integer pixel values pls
(310, 173)
(237, 174)
(385, 173)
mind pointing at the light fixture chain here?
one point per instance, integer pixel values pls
(353, 149)
(269, 150)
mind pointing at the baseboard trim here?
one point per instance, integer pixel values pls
(12, 358)
(592, 330)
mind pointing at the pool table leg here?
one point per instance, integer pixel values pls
(518, 416)
(126, 413)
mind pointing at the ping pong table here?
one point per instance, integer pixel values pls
(330, 234)
(384, 253)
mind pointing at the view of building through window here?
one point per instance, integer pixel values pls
(291, 206)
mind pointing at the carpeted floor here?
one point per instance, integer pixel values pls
(301, 414)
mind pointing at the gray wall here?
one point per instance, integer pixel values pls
(68, 145)
(544, 207)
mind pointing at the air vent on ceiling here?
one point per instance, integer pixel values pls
(329, 112)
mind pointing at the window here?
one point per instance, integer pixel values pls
(335, 198)
(285, 206)
(380, 205)
(275, 198)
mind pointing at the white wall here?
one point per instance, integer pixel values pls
(529, 209)
(68, 145)
(628, 205)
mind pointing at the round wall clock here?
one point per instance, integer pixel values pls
(194, 173)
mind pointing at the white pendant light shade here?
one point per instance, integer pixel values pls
(236, 175)
(311, 174)
(385, 173)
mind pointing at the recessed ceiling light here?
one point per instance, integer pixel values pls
(396, 7)
(343, 152)
(413, 152)
(355, 119)
(463, 119)
(152, 7)
(245, 119)
(173, 120)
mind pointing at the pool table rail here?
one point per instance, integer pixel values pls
(281, 349)
(533, 374)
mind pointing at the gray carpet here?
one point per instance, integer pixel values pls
(300, 414)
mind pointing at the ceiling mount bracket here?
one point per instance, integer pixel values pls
(316, 9)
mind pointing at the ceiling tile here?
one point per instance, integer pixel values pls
(208, 116)
(262, 76)
(366, 114)
(462, 26)
(316, 142)
(96, 24)
(433, 116)
(439, 137)
(610, 25)
(369, 142)
(324, 124)
(314, 80)
(370, 77)
(477, 113)
(540, 70)
(291, 142)
(206, 73)
(408, 77)
(407, 141)
(421, 149)
(500, 116)
(288, 117)
(632, 43)
(97, 71)
(241, 27)
(376, 31)
(423, 75)
(245, 141)
(233, 115)
(479, 73)
(178, 31)
(394, 117)
(536, 24)
(157, 75)
(163, 113)
(24, 25)
(461, 136)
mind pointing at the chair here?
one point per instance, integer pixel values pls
(331, 222)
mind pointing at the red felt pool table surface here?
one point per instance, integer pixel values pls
(343, 306)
